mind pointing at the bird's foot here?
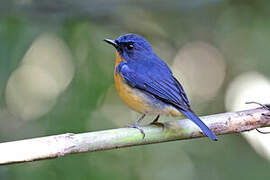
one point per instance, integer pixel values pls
(156, 123)
(159, 124)
(137, 126)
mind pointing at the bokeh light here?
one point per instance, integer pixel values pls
(249, 87)
(202, 69)
(45, 71)
(30, 92)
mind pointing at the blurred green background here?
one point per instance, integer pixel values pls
(56, 76)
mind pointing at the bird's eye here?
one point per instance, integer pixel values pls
(130, 46)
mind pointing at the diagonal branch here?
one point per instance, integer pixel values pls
(64, 144)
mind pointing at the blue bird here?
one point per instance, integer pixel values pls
(146, 83)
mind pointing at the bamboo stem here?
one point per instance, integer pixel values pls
(64, 144)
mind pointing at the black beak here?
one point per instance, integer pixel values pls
(112, 42)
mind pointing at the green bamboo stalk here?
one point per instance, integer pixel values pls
(64, 144)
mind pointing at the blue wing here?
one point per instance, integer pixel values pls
(159, 82)
(157, 79)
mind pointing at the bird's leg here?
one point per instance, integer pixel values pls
(265, 106)
(137, 125)
(155, 122)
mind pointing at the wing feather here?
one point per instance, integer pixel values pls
(166, 88)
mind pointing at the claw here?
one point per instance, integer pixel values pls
(156, 123)
(137, 126)
(155, 120)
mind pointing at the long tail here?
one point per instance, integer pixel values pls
(192, 116)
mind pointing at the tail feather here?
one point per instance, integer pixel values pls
(192, 116)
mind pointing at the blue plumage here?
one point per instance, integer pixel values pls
(144, 70)
(192, 116)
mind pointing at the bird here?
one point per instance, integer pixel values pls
(147, 85)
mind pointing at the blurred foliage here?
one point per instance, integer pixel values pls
(239, 29)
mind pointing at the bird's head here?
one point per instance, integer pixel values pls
(132, 47)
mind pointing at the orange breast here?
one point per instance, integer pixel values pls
(137, 100)
(127, 94)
